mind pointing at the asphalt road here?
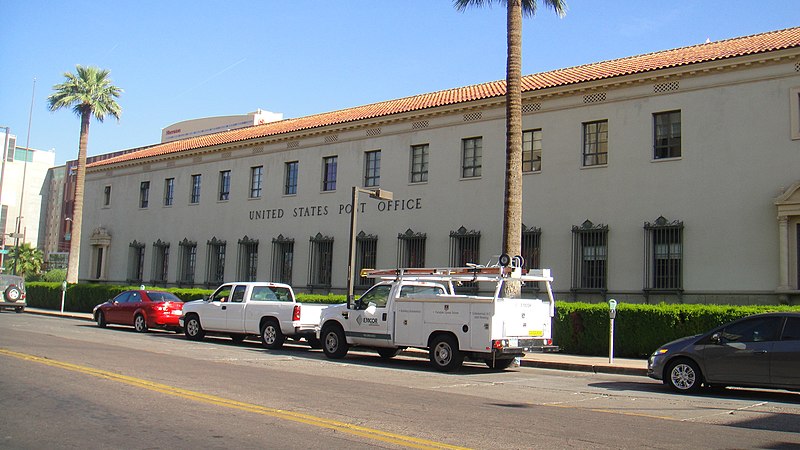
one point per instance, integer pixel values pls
(68, 384)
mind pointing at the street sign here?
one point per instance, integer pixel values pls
(16, 235)
(4, 252)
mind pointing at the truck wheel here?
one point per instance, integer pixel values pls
(193, 329)
(13, 293)
(19, 309)
(388, 353)
(101, 319)
(139, 323)
(444, 353)
(499, 364)
(271, 335)
(334, 343)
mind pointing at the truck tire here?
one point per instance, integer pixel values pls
(139, 323)
(444, 353)
(271, 335)
(334, 342)
(12, 293)
(193, 329)
(499, 364)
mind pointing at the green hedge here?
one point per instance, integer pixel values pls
(579, 328)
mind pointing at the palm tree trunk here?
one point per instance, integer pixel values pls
(512, 207)
(77, 211)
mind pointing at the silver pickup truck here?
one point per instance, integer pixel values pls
(241, 309)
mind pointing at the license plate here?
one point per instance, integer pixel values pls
(177, 313)
(535, 332)
(513, 342)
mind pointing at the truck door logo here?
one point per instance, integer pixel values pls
(361, 320)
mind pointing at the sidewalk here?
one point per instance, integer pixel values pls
(545, 360)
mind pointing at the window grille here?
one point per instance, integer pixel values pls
(663, 258)
(160, 262)
(366, 257)
(215, 270)
(590, 257)
(531, 251)
(320, 261)
(282, 259)
(465, 249)
(248, 259)
(188, 261)
(136, 262)
(410, 249)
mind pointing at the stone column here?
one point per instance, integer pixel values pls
(783, 252)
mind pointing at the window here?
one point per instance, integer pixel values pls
(282, 259)
(532, 150)
(366, 257)
(411, 249)
(256, 181)
(107, 196)
(136, 262)
(595, 143)
(372, 168)
(419, 163)
(465, 249)
(667, 135)
(248, 259)
(471, 157)
(195, 197)
(224, 185)
(758, 329)
(531, 251)
(590, 256)
(215, 272)
(791, 331)
(379, 296)
(144, 194)
(160, 262)
(329, 173)
(320, 261)
(169, 191)
(663, 263)
(188, 261)
(290, 178)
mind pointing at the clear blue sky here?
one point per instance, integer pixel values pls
(179, 60)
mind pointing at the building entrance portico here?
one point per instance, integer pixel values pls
(788, 205)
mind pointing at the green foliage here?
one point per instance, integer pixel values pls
(329, 299)
(55, 276)
(26, 259)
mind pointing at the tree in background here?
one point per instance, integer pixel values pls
(88, 92)
(512, 205)
(28, 259)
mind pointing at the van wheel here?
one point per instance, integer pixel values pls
(271, 335)
(13, 293)
(193, 330)
(334, 343)
(139, 323)
(444, 353)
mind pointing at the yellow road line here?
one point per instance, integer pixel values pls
(368, 433)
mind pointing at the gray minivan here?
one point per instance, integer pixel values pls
(12, 288)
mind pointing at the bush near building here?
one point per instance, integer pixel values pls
(579, 328)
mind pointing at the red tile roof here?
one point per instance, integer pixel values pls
(748, 45)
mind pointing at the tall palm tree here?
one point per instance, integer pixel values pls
(28, 260)
(512, 204)
(88, 92)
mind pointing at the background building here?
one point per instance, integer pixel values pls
(667, 176)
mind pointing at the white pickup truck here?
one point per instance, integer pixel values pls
(241, 309)
(418, 308)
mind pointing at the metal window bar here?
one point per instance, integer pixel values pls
(248, 259)
(160, 267)
(411, 249)
(282, 259)
(531, 252)
(136, 261)
(663, 264)
(320, 264)
(590, 257)
(215, 272)
(366, 257)
(465, 249)
(188, 260)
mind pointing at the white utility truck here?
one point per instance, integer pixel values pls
(418, 308)
(241, 309)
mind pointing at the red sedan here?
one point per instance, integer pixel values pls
(142, 309)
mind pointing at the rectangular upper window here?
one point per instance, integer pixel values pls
(471, 157)
(372, 168)
(224, 185)
(419, 163)
(290, 178)
(667, 135)
(256, 181)
(107, 196)
(532, 150)
(144, 194)
(169, 191)
(195, 197)
(595, 143)
(794, 112)
(329, 173)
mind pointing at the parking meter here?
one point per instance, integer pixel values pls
(63, 294)
(612, 309)
(612, 314)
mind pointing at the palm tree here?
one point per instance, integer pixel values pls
(28, 260)
(88, 92)
(512, 205)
